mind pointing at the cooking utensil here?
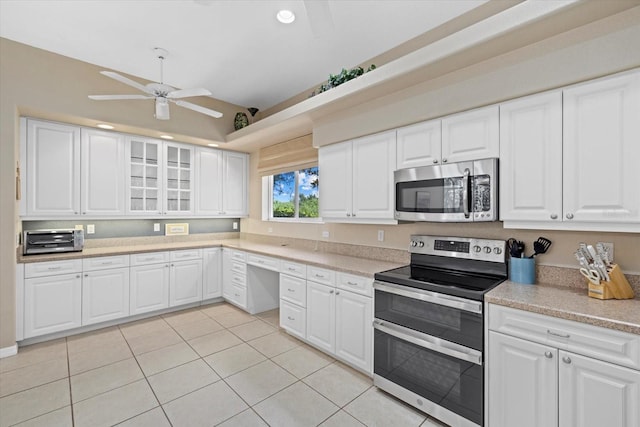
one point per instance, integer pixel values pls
(592, 275)
(540, 246)
(604, 254)
(512, 246)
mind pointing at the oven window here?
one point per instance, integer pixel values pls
(449, 382)
(451, 324)
(442, 195)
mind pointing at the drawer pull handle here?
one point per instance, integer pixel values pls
(291, 318)
(237, 295)
(555, 334)
(320, 275)
(291, 290)
(566, 359)
(260, 261)
(548, 355)
(352, 283)
(106, 262)
(148, 258)
(54, 268)
(291, 269)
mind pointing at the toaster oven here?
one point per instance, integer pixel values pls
(52, 241)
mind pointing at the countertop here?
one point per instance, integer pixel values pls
(569, 303)
(344, 263)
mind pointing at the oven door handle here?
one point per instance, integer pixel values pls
(427, 341)
(428, 296)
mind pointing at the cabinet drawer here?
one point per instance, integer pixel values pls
(237, 255)
(239, 295)
(102, 263)
(321, 275)
(264, 262)
(357, 284)
(293, 319)
(293, 289)
(149, 258)
(186, 255)
(41, 269)
(238, 279)
(293, 269)
(238, 267)
(608, 345)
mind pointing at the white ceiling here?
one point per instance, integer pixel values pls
(234, 48)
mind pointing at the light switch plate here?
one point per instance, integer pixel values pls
(325, 234)
(380, 235)
(156, 226)
(91, 228)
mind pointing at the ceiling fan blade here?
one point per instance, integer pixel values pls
(162, 109)
(186, 93)
(116, 97)
(199, 109)
(319, 16)
(125, 80)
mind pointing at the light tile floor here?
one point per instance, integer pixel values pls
(207, 366)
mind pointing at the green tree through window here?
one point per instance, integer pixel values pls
(295, 194)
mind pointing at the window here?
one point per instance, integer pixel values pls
(294, 194)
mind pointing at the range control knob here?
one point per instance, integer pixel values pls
(487, 250)
(497, 251)
(477, 248)
(421, 244)
(414, 243)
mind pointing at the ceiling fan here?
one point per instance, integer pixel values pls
(163, 94)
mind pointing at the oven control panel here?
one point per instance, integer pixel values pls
(459, 247)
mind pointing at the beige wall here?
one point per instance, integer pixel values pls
(42, 84)
(597, 49)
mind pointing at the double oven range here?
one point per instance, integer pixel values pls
(428, 325)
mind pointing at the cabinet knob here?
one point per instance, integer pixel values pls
(75, 213)
(337, 292)
(566, 359)
(348, 214)
(435, 161)
(86, 275)
(554, 216)
(548, 355)
(444, 160)
(77, 276)
(172, 265)
(354, 215)
(569, 216)
(330, 292)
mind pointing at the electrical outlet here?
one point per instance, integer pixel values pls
(325, 234)
(235, 225)
(609, 248)
(380, 235)
(269, 230)
(91, 228)
(156, 226)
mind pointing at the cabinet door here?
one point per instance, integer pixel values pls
(523, 388)
(208, 182)
(103, 170)
(374, 160)
(601, 150)
(595, 393)
(144, 176)
(185, 284)
(531, 158)
(52, 304)
(53, 169)
(178, 181)
(149, 288)
(471, 135)
(105, 295)
(335, 162)
(321, 314)
(354, 330)
(211, 273)
(234, 190)
(419, 145)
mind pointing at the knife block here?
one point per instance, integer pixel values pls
(616, 288)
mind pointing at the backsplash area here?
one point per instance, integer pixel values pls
(136, 227)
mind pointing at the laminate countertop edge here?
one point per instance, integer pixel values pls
(568, 303)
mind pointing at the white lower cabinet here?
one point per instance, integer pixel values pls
(185, 283)
(149, 288)
(105, 295)
(293, 319)
(52, 304)
(211, 273)
(234, 277)
(560, 374)
(321, 316)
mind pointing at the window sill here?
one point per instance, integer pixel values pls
(297, 220)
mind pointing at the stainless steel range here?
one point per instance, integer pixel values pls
(428, 326)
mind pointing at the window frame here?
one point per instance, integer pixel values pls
(267, 200)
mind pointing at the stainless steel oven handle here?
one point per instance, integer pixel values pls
(427, 341)
(428, 296)
(465, 192)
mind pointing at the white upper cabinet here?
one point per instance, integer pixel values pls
(357, 179)
(601, 150)
(531, 158)
(52, 169)
(471, 135)
(144, 176)
(235, 180)
(178, 179)
(419, 145)
(103, 172)
(208, 181)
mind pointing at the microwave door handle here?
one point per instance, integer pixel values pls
(465, 192)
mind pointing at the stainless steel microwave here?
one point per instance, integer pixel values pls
(454, 192)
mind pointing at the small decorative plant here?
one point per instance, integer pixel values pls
(344, 76)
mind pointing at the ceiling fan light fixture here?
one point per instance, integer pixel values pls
(286, 16)
(104, 126)
(162, 109)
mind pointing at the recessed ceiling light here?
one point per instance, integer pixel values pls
(212, 145)
(166, 137)
(286, 16)
(104, 126)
